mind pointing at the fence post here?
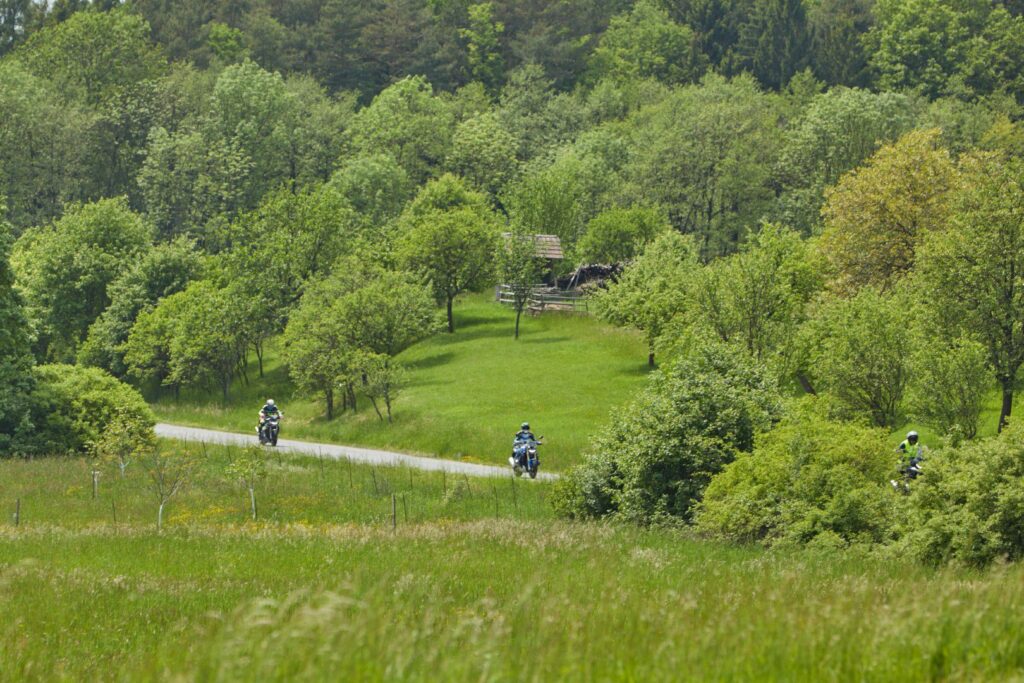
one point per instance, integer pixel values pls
(394, 513)
(17, 512)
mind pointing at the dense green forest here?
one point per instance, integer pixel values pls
(818, 206)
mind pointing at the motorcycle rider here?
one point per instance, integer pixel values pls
(268, 411)
(524, 435)
(911, 454)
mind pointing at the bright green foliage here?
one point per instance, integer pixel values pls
(352, 323)
(703, 154)
(383, 379)
(208, 342)
(447, 193)
(975, 270)
(548, 202)
(408, 122)
(878, 214)
(653, 462)
(834, 134)
(619, 235)
(968, 48)
(15, 351)
(93, 55)
(72, 406)
(949, 382)
(810, 480)
(453, 249)
(858, 349)
(757, 297)
(165, 269)
(482, 38)
(484, 153)
(375, 186)
(226, 43)
(187, 180)
(969, 506)
(520, 269)
(646, 43)
(248, 466)
(65, 269)
(147, 353)
(123, 439)
(652, 290)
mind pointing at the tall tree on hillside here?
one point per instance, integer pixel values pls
(653, 289)
(774, 41)
(520, 269)
(878, 214)
(65, 269)
(453, 250)
(15, 350)
(975, 270)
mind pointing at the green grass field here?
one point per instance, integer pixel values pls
(468, 391)
(324, 589)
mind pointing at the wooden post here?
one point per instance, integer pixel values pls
(373, 473)
(444, 482)
(394, 512)
(17, 512)
(411, 487)
(495, 489)
(469, 487)
(95, 483)
(405, 505)
(113, 511)
(350, 485)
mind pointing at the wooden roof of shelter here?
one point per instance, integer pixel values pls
(545, 246)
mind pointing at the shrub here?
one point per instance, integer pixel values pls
(72, 405)
(618, 235)
(656, 458)
(949, 382)
(969, 507)
(809, 480)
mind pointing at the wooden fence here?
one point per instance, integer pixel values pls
(544, 299)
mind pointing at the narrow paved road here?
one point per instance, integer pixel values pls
(366, 455)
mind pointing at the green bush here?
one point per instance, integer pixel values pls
(809, 480)
(71, 405)
(969, 506)
(655, 459)
(619, 235)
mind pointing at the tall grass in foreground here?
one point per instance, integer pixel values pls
(297, 490)
(493, 600)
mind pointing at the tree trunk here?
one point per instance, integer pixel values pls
(387, 403)
(451, 321)
(376, 408)
(1004, 414)
(805, 383)
(352, 398)
(252, 500)
(330, 403)
(160, 518)
(650, 359)
(259, 357)
(224, 390)
(519, 313)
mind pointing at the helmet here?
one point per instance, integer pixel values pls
(270, 401)
(525, 425)
(912, 436)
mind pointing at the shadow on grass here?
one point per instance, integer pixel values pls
(431, 361)
(544, 340)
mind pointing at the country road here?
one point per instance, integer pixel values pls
(364, 455)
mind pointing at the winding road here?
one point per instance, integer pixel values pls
(363, 455)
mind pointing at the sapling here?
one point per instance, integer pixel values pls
(249, 466)
(169, 472)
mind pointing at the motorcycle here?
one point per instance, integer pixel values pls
(269, 429)
(524, 458)
(911, 472)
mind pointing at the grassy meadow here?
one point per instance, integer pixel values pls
(467, 393)
(322, 588)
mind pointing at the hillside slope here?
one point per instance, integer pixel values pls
(468, 391)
